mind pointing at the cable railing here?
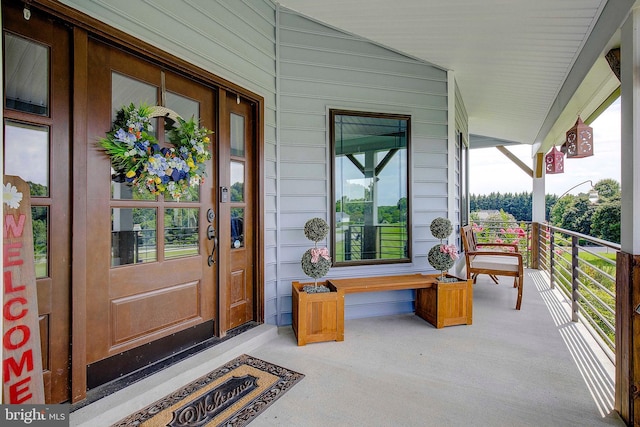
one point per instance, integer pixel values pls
(582, 267)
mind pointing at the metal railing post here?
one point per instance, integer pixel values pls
(575, 308)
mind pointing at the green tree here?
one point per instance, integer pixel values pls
(577, 216)
(607, 189)
(605, 222)
(557, 209)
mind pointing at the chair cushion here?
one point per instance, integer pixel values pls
(495, 262)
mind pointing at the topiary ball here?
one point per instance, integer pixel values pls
(441, 228)
(439, 260)
(316, 229)
(315, 270)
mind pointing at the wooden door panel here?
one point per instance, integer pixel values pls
(130, 314)
(140, 299)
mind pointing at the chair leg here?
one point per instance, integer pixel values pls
(520, 286)
(515, 282)
(494, 278)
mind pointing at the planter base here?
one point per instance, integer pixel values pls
(317, 317)
(446, 304)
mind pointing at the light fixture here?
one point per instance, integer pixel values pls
(238, 99)
(579, 140)
(554, 161)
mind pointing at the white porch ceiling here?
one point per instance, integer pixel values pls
(518, 63)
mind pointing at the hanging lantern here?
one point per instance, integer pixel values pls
(554, 161)
(579, 140)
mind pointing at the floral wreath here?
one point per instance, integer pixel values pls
(138, 159)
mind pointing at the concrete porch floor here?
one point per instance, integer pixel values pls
(532, 367)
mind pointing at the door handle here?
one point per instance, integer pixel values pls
(211, 235)
(211, 260)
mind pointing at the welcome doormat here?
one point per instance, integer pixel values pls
(232, 395)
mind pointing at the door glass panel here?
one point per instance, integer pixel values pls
(237, 181)
(26, 154)
(237, 228)
(186, 108)
(181, 237)
(40, 221)
(237, 135)
(133, 236)
(126, 91)
(26, 73)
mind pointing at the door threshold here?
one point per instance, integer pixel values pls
(111, 387)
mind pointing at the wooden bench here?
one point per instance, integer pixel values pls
(320, 317)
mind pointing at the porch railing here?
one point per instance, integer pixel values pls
(582, 267)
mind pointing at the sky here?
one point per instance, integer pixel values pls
(491, 171)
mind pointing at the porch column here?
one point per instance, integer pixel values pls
(628, 262)
(538, 207)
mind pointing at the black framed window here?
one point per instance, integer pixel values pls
(370, 187)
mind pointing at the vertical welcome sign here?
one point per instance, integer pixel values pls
(21, 353)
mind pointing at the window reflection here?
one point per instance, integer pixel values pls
(237, 181)
(26, 74)
(40, 221)
(26, 154)
(237, 135)
(370, 171)
(181, 237)
(133, 236)
(237, 228)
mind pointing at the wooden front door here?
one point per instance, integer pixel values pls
(36, 147)
(151, 289)
(237, 209)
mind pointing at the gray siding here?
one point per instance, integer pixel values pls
(322, 68)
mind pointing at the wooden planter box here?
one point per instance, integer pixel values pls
(446, 304)
(317, 317)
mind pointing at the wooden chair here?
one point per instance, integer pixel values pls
(493, 262)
